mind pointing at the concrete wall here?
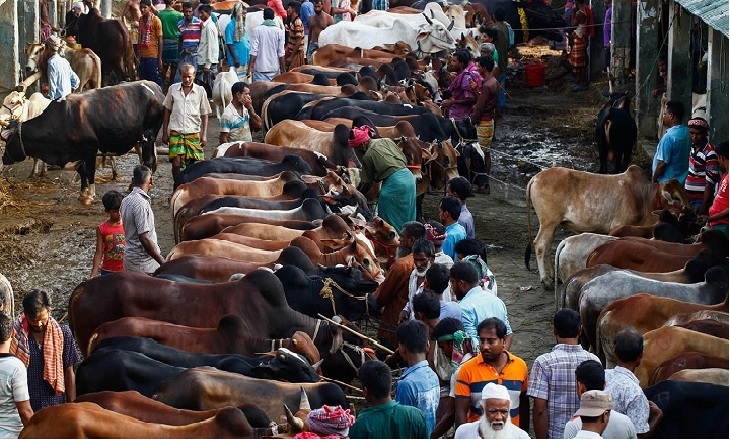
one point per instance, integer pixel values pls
(647, 42)
(717, 86)
(9, 58)
(621, 27)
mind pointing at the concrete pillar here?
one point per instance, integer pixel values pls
(679, 69)
(53, 12)
(30, 12)
(621, 27)
(105, 8)
(595, 50)
(9, 58)
(647, 42)
(717, 87)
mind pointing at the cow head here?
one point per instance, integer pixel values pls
(671, 196)
(351, 293)
(434, 37)
(385, 240)
(288, 366)
(32, 54)
(412, 149)
(443, 163)
(359, 254)
(14, 152)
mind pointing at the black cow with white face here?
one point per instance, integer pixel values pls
(111, 120)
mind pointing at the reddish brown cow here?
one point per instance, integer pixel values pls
(632, 255)
(333, 227)
(230, 337)
(667, 342)
(209, 224)
(691, 360)
(566, 197)
(642, 311)
(256, 243)
(298, 77)
(134, 404)
(82, 421)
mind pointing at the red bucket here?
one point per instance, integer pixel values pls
(535, 75)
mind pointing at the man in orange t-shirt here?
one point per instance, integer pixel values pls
(149, 48)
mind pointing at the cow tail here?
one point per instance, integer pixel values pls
(557, 264)
(97, 69)
(75, 294)
(528, 249)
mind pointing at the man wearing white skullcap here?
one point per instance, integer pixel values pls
(62, 80)
(495, 422)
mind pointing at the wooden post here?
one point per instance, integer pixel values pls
(679, 69)
(717, 87)
(647, 47)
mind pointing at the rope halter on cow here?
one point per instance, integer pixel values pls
(386, 247)
(403, 140)
(326, 293)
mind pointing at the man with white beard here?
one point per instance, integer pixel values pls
(495, 422)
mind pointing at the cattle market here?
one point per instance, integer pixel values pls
(374, 219)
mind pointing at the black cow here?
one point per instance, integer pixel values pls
(320, 110)
(111, 120)
(110, 41)
(340, 289)
(287, 105)
(285, 365)
(244, 165)
(615, 135)
(692, 410)
(204, 388)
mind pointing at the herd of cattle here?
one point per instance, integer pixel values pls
(202, 336)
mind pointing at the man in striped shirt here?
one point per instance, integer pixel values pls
(190, 28)
(704, 168)
(142, 254)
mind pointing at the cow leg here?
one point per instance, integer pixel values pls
(543, 244)
(113, 163)
(87, 170)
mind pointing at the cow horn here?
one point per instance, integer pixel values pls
(451, 25)
(317, 364)
(304, 400)
(427, 19)
(296, 424)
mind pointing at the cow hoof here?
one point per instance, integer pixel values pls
(87, 201)
(549, 285)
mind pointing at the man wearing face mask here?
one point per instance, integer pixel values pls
(423, 256)
(239, 117)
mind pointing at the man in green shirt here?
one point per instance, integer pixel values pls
(170, 35)
(383, 161)
(385, 419)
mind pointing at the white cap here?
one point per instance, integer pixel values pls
(495, 391)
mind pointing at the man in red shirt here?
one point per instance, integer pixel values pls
(718, 218)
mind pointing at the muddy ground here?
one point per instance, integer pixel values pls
(47, 237)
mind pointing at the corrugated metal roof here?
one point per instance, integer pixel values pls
(712, 12)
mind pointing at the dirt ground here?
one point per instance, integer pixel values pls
(47, 237)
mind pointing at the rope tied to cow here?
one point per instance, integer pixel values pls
(326, 293)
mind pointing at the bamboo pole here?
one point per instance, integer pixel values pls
(360, 335)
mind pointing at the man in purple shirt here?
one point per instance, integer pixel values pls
(461, 95)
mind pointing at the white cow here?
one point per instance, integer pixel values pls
(454, 19)
(17, 107)
(222, 90)
(424, 39)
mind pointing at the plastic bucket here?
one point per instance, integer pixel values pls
(535, 75)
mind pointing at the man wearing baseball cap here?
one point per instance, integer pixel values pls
(495, 422)
(595, 406)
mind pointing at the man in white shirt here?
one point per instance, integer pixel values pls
(495, 422)
(208, 48)
(267, 49)
(595, 406)
(15, 410)
(185, 121)
(62, 80)
(589, 375)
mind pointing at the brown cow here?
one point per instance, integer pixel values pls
(667, 342)
(208, 224)
(643, 311)
(331, 144)
(717, 376)
(258, 298)
(299, 78)
(204, 186)
(230, 337)
(134, 404)
(87, 420)
(566, 197)
(631, 255)
(333, 227)
(684, 361)
(110, 41)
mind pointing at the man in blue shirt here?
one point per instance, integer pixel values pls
(62, 80)
(449, 212)
(671, 159)
(419, 385)
(476, 304)
(460, 187)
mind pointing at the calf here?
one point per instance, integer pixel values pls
(615, 134)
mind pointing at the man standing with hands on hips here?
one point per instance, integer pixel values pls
(186, 117)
